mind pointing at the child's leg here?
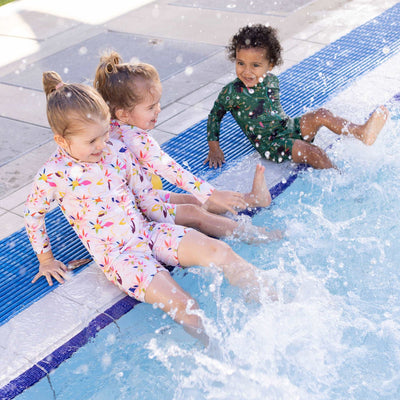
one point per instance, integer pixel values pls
(177, 303)
(367, 133)
(198, 249)
(259, 196)
(307, 153)
(211, 224)
(183, 198)
(140, 275)
(218, 226)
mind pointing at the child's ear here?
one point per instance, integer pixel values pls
(60, 141)
(121, 114)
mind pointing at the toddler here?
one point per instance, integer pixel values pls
(133, 92)
(253, 100)
(110, 203)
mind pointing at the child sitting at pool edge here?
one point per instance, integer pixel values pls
(105, 196)
(253, 100)
(133, 92)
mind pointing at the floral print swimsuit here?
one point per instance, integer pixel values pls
(154, 160)
(104, 202)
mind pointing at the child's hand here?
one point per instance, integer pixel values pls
(221, 201)
(51, 268)
(215, 156)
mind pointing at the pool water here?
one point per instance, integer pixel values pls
(334, 333)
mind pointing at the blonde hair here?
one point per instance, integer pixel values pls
(124, 85)
(71, 104)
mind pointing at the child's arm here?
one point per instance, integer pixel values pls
(146, 197)
(215, 156)
(152, 158)
(36, 207)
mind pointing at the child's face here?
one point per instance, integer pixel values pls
(144, 115)
(89, 141)
(252, 65)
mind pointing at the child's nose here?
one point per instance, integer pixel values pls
(247, 70)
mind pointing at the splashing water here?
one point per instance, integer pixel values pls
(334, 333)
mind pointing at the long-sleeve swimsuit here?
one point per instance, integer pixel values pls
(104, 202)
(154, 160)
(259, 114)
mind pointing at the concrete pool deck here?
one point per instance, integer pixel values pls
(185, 40)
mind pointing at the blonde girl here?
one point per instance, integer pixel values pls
(111, 205)
(133, 92)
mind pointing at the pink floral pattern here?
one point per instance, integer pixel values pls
(107, 203)
(154, 160)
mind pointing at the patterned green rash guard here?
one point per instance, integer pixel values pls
(259, 114)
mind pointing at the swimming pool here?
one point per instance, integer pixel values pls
(333, 334)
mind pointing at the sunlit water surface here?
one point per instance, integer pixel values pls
(333, 334)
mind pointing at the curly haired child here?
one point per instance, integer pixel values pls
(254, 102)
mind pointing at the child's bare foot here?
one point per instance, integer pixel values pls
(375, 123)
(259, 195)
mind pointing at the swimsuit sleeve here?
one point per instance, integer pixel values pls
(153, 159)
(148, 200)
(37, 205)
(215, 117)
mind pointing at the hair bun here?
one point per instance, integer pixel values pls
(111, 67)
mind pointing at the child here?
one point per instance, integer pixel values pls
(253, 100)
(103, 192)
(133, 92)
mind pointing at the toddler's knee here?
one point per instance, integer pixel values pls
(322, 114)
(221, 252)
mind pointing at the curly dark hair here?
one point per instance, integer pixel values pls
(256, 36)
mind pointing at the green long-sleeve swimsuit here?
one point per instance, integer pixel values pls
(259, 114)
